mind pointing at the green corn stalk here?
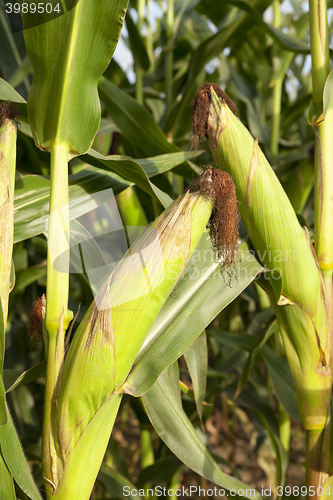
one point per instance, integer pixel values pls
(319, 452)
(282, 245)
(323, 127)
(110, 336)
(68, 55)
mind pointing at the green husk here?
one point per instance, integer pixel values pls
(8, 135)
(283, 246)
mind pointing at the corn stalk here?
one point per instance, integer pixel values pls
(68, 57)
(322, 122)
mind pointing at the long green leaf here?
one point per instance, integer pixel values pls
(130, 171)
(15, 460)
(7, 491)
(31, 204)
(175, 429)
(116, 484)
(279, 372)
(68, 55)
(152, 166)
(250, 398)
(137, 125)
(32, 191)
(253, 353)
(196, 358)
(8, 93)
(200, 294)
(159, 472)
(233, 28)
(3, 412)
(286, 41)
(12, 50)
(14, 378)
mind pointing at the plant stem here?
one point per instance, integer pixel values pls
(323, 149)
(57, 314)
(313, 462)
(276, 112)
(149, 39)
(319, 51)
(277, 89)
(139, 71)
(317, 463)
(284, 427)
(169, 54)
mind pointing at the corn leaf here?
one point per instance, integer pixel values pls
(68, 55)
(8, 93)
(196, 358)
(253, 353)
(279, 372)
(175, 429)
(159, 472)
(6, 482)
(15, 378)
(154, 165)
(137, 125)
(134, 121)
(3, 412)
(116, 484)
(32, 191)
(233, 27)
(31, 204)
(15, 460)
(200, 294)
(251, 399)
(285, 40)
(130, 171)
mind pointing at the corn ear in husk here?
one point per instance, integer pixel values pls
(114, 328)
(283, 246)
(8, 135)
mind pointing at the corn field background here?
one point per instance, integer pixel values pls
(215, 399)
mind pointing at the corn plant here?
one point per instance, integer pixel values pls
(84, 142)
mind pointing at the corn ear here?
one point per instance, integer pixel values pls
(282, 246)
(8, 135)
(109, 338)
